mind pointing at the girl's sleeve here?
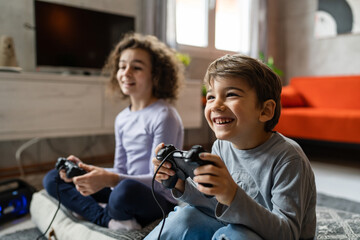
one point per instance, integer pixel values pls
(119, 155)
(166, 127)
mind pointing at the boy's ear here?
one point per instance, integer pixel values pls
(268, 110)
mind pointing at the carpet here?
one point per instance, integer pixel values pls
(32, 233)
(337, 218)
(338, 203)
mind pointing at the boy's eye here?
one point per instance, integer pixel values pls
(231, 94)
(209, 97)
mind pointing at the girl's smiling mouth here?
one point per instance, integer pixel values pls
(128, 83)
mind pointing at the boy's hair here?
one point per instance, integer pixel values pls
(167, 71)
(258, 75)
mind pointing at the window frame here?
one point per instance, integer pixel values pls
(210, 51)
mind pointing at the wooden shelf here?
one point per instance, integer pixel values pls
(54, 105)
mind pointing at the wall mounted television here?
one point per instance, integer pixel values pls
(72, 39)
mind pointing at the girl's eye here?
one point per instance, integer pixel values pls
(122, 67)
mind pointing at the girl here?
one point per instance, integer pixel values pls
(147, 72)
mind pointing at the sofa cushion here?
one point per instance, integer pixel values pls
(339, 125)
(291, 98)
(338, 92)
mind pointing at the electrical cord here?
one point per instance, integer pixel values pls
(153, 192)
(58, 207)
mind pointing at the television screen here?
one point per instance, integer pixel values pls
(76, 37)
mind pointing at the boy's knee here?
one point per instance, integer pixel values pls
(187, 223)
(234, 232)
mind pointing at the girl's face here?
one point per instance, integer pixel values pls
(134, 74)
(232, 112)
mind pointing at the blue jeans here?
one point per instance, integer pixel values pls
(189, 223)
(129, 199)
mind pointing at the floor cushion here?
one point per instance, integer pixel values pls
(66, 226)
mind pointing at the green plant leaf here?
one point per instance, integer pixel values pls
(270, 64)
(184, 58)
(203, 90)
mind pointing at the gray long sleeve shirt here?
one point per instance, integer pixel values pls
(276, 195)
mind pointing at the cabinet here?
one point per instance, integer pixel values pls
(54, 105)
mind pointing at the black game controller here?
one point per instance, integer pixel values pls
(71, 168)
(182, 162)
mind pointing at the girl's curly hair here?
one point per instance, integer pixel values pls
(167, 70)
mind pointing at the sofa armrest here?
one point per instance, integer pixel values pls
(291, 98)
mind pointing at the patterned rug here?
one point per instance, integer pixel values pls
(337, 218)
(32, 233)
(337, 224)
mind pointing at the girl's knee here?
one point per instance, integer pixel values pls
(125, 193)
(50, 181)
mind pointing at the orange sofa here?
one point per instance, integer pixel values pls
(325, 108)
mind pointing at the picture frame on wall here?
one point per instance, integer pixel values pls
(336, 17)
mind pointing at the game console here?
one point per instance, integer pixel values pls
(182, 162)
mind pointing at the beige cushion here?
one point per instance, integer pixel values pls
(66, 226)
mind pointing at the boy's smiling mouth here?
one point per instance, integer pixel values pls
(222, 120)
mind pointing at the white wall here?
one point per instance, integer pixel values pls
(296, 50)
(14, 14)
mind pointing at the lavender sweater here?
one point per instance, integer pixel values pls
(136, 136)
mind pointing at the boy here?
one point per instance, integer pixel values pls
(262, 182)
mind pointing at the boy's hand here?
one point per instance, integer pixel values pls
(165, 171)
(223, 186)
(96, 179)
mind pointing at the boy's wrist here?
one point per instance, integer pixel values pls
(180, 186)
(230, 198)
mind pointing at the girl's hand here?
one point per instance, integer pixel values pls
(62, 172)
(62, 175)
(96, 179)
(223, 186)
(74, 159)
(165, 171)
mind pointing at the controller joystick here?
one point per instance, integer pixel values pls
(71, 168)
(182, 162)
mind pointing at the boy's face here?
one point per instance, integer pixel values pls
(232, 112)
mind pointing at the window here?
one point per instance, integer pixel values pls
(213, 25)
(191, 22)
